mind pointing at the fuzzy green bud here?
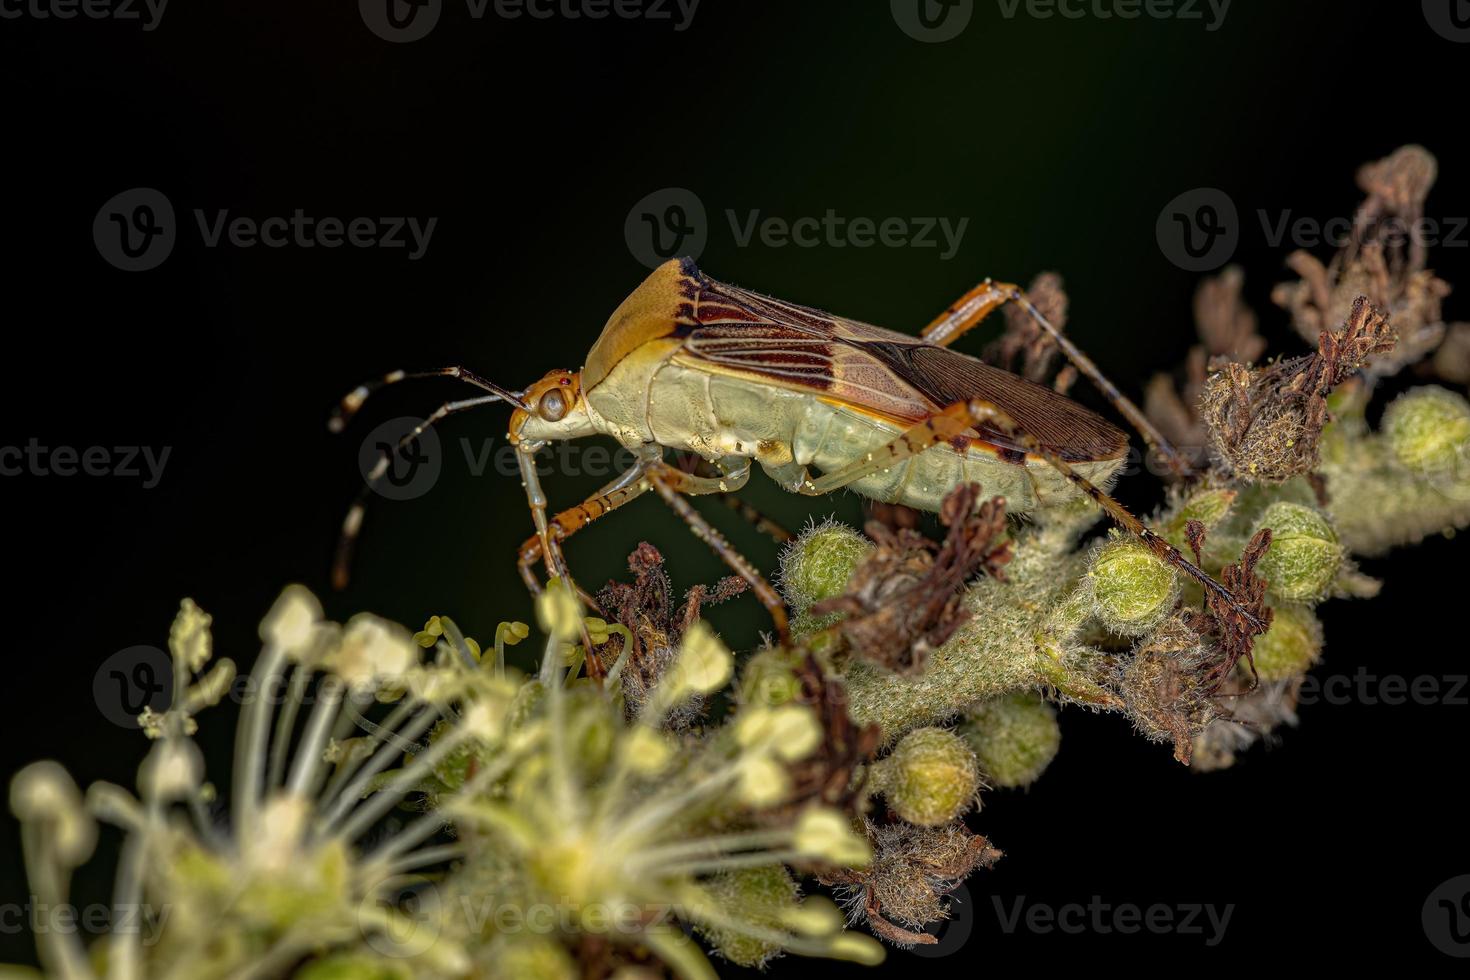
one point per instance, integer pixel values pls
(1014, 738)
(930, 778)
(534, 957)
(759, 897)
(1132, 588)
(769, 679)
(1428, 428)
(1290, 646)
(819, 562)
(1305, 555)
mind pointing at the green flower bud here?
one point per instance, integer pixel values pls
(1014, 738)
(1428, 428)
(769, 679)
(532, 956)
(761, 897)
(930, 777)
(1290, 646)
(1132, 588)
(351, 966)
(1305, 555)
(817, 564)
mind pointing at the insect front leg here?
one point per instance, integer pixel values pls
(629, 486)
(966, 313)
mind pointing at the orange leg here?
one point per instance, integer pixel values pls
(969, 310)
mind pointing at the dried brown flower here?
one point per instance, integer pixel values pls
(1265, 423)
(905, 598)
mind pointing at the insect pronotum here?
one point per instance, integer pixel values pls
(688, 363)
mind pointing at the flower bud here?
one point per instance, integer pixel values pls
(1014, 738)
(759, 897)
(1305, 555)
(819, 562)
(1428, 428)
(1132, 588)
(532, 956)
(827, 835)
(930, 777)
(1290, 646)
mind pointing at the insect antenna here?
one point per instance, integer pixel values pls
(354, 399)
(349, 406)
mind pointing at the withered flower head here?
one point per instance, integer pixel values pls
(1265, 422)
(905, 599)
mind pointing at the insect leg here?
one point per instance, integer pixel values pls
(629, 486)
(671, 484)
(969, 310)
(352, 523)
(955, 420)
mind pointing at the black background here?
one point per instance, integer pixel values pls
(530, 141)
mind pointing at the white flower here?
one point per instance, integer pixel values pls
(43, 792)
(291, 623)
(826, 834)
(373, 651)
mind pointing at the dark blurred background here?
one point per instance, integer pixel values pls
(535, 145)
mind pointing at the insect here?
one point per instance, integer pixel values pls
(819, 402)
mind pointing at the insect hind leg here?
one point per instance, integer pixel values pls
(959, 417)
(966, 313)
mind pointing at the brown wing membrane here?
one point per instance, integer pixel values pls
(945, 377)
(879, 370)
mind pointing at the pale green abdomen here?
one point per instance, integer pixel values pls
(716, 415)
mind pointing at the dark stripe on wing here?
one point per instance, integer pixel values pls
(1058, 423)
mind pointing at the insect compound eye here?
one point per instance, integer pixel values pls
(553, 406)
